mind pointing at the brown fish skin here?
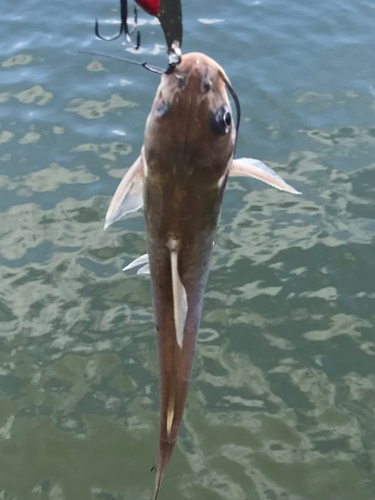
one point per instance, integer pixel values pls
(186, 166)
(180, 178)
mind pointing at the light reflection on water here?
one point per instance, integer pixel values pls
(282, 401)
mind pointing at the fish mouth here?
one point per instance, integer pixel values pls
(194, 91)
(197, 73)
(190, 126)
(197, 89)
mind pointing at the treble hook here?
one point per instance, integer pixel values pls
(124, 28)
(170, 16)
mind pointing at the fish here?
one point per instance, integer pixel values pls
(179, 179)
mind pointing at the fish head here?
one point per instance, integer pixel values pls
(191, 119)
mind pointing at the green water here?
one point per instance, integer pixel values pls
(282, 400)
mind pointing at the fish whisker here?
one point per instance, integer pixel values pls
(153, 69)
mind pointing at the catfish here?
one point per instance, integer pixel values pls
(180, 178)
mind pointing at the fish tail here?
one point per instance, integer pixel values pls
(158, 481)
(165, 452)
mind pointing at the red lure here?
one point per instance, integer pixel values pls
(150, 6)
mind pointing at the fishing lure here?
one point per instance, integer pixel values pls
(169, 14)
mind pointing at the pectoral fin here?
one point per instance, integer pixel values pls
(128, 196)
(180, 305)
(249, 167)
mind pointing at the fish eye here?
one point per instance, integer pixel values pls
(162, 108)
(227, 119)
(222, 120)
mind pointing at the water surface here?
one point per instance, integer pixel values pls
(282, 400)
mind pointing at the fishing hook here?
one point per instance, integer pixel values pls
(124, 28)
(174, 58)
(171, 22)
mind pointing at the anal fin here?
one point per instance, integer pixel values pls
(180, 305)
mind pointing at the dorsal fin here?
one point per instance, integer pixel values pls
(180, 305)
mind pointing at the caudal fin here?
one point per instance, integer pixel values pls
(162, 461)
